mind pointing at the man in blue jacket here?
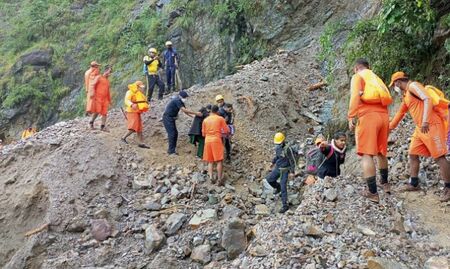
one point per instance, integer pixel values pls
(171, 63)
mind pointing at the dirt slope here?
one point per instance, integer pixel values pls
(71, 178)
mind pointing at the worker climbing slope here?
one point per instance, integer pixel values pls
(369, 105)
(429, 138)
(136, 104)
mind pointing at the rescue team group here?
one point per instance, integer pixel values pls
(368, 115)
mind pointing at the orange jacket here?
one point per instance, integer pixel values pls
(102, 92)
(357, 108)
(418, 103)
(213, 127)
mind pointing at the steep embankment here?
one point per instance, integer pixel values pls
(160, 212)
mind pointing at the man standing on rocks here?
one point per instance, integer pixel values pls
(281, 168)
(135, 105)
(90, 79)
(171, 64)
(102, 99)
(195, 133)
(220, 101)
(226, 111)
(212, 129)
(170, 115)
(429, 138)
(151, 69)
(369, 104)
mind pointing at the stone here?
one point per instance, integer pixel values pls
(312, 230)
(230, 212)
(234, 240)
(212, 199)
(262, 209)
(368, 253)
(436, 263)
(201, 254)
(100, 229)
(331, 195)
(310, 266)
(153, 206)
(174, 223)
(197, 241)
(141, 184)
(384, 263)
(397, 226)
(203, 217)
(366, 231)
(154, 238)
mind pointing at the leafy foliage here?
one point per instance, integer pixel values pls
(398, 38)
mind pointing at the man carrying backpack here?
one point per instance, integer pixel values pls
(429, 138)
(334, 156)
(282, 168)
(369, 104)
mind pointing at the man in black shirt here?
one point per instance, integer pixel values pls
(226, 111)
(170, 115)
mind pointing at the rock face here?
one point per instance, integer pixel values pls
(234, 240)
(154, 238)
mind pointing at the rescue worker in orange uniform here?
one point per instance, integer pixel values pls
(212, 129)
(429, 137)
(134, 120)
(373, 125)
(90, 79)
(102, 99)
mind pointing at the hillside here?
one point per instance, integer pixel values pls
(160, 212)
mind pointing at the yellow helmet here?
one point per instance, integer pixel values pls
(152, 50)
(278, 138)
(169, 43)
(219, 97)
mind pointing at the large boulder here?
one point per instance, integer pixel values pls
(234, 240)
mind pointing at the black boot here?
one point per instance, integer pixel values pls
(284, 209)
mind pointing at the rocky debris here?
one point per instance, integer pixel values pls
(262, 210)
(174, 223)
(383, 263)
(203, 217)
(201, 254)
(100, 229)
(154, 238)
(231, 212)
(234, 240)
(437, 263)
(366, 231)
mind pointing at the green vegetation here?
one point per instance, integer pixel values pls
(113, 32)
(398, 38)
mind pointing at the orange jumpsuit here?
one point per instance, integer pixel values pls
(134, 121)
(212, 129)
(90, 79)
(372, 129)
(418, 103)
(102, 96)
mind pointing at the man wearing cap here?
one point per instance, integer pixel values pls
(152, 64)
(373, 125)
(90, 79)
(171, 63)
(170, 115)
(429, 137)
(220, 101)
(134, 120)
(101, 99)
